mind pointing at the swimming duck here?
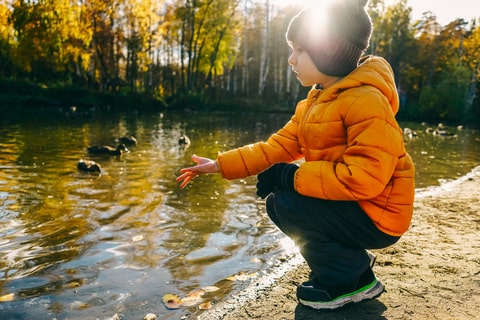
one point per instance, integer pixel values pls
(88, 166)
(128, 140)
(443, 133)
(409, 133)
(184, 140)
(108, 150)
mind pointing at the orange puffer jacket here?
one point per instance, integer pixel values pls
(351, 143)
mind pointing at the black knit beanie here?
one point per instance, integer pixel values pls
(335, 34)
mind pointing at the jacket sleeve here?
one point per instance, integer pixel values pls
(252, 159)
(374, 145)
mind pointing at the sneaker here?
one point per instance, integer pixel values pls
(314, 295)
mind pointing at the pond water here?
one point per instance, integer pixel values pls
(78, 245)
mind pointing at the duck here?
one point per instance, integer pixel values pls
(409, 133)
(108, 150)
(88, 166)
(128, 140)
(184, 140)
(443, 133)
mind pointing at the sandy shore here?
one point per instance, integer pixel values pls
(433, 272)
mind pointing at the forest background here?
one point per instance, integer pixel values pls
(215, 54)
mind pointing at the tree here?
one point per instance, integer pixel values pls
(141, 23)
(106, 47)
(208, 39)
(6, 42)
(52, 39)
(471, 59)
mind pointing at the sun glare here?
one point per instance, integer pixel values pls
(288, 245)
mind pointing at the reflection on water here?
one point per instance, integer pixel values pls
(74, 242)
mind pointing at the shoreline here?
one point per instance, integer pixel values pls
(431, 273)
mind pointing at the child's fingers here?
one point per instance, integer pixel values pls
(186, 181)
(185, 178)
(185, 174)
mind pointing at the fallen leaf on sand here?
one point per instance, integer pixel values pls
(204, 306)
(194, 297)
(242, 276)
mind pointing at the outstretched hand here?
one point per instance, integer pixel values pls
(203, 166)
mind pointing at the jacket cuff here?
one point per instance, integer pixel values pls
(288, 177)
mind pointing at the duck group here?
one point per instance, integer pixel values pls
(85, 165)
(91, 166)
(442, 131)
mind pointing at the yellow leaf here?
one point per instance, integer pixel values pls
(242, 276)
(189, 301)
(73, 284)
(172, 301)
(256, 260)
(196, 293)
(205, 306)
(7, 297)
(210, 288)
(137, 238)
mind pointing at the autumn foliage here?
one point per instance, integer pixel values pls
(203, 52)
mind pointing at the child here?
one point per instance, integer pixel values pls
(355, 189)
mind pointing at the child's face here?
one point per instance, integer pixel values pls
(303, 66)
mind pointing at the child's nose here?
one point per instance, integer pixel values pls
(291, 60)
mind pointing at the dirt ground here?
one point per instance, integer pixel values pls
(433, 272)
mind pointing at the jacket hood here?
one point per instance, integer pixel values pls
(372, 71)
